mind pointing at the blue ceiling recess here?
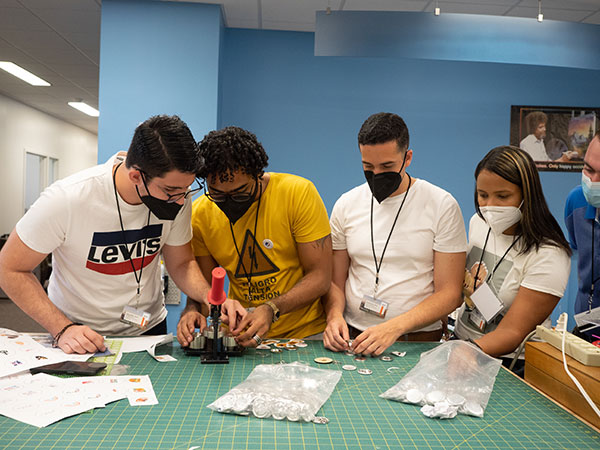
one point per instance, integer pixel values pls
(458, 37)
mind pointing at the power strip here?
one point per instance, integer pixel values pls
(581, 350)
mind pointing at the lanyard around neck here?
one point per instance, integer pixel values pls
(137, 279)
(378, 265)
(490, 275)
(253, 254)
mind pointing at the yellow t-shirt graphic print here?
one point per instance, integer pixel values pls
(291, 211)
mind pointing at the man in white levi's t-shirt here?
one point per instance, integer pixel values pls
(105, 227)
(398, 249)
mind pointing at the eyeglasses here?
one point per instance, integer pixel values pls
(173, 198)
(238, 197)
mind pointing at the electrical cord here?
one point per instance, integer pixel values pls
(519, 350)
(561, 326)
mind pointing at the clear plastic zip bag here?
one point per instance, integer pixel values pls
(292, 391)
(455, 377)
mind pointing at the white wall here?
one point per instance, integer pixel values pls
(26, 129)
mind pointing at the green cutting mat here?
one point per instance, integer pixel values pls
(516, 416)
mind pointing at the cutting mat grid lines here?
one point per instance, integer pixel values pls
(516, 417)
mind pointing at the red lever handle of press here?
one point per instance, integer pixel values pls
(216, 295)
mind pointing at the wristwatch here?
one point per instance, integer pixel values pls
(275, 309)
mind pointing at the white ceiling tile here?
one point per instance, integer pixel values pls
(73, 5)
(469, 8)
(385, 5)
(594, 18)
(584, 5)
(481, 2)
(48, 40)
(11, 4)
(75, 21)
(549, 14)
(19, 19)
(65, 55)
(242, 23)
(82, 40)
(294, 11)
(296, 26)
(247, 10)
(74, 71)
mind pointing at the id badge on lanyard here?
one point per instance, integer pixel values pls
(486, 302)
(374, 306)
(136, 317)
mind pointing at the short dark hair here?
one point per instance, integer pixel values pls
(162, 144)
(384, 127)
(229, 150)
(538, 226)
(533, 119)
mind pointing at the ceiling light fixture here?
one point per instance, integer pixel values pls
(436, 10)
(23, 74)
(84, 108)
(540, 17)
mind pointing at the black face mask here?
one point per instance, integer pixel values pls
(235, 210)
(384, 184)
(160, 208)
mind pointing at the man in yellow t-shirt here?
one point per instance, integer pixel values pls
(269, 231)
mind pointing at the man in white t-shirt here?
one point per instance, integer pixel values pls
(105, 227)
(534, 142)
(398, 249)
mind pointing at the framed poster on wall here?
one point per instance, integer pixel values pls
(556, 137)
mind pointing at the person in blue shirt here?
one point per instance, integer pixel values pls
(583, 224)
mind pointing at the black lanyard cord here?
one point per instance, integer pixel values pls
(138, 280)
(253, 255)
(490, 275)
(378, 266)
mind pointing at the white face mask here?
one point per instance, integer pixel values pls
(501, 218)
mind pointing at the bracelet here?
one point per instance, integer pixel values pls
(61, 332)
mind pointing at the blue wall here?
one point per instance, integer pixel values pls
(307, 110)
(176, 58)
(156, 58)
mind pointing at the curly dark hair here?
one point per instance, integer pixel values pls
(533, 119)
(229, 150)
(384, 127)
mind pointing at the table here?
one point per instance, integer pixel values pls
(516, 417)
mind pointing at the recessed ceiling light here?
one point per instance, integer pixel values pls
(23, 74)
(85, 108)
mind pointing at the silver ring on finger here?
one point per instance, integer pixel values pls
(257, 339)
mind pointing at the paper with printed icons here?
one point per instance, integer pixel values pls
(42, 399)
(139, 390)
(19, 352)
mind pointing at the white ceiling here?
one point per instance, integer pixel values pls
(59, 40)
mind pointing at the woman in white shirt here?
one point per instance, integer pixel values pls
(518, 260)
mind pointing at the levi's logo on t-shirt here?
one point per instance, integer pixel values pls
(111, 251)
